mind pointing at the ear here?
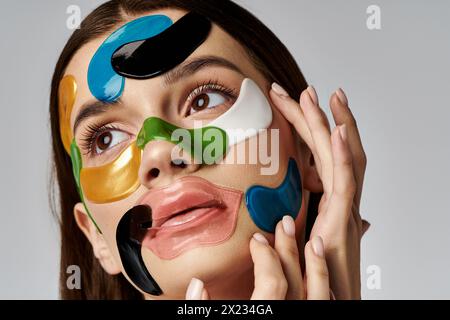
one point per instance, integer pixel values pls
(311, 178)
(99, 245)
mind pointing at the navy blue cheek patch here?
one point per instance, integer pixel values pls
(267, 206)
(154, 56)
(131, 230)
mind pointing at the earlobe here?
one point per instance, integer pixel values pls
(98, 242)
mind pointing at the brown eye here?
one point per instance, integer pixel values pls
(109, 139)
(103, 140)
(207, 100)
(201, 102)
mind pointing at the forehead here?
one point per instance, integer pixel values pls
(218, 43)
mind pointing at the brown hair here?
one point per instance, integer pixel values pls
(269, 55)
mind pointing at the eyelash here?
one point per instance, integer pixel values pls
(93, 131)
(211, 85)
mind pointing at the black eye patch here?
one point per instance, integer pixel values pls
(154, 56)
(131, 230)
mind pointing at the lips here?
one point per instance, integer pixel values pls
(190, 213)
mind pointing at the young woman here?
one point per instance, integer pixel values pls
(205, 58)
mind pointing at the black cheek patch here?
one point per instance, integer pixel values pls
(131, 230)
(152, 57)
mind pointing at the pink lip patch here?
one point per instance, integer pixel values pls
(190, 213)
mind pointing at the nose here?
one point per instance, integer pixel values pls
(161, 164)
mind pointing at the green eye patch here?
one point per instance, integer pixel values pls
(207, 145)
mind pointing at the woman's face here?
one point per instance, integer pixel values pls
(203, 94)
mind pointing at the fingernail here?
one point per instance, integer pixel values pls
(317, 244)
(195, 290)
(279, 90)
(260, 238)
(343, 132)
(341, 96)
(288, 225)
(313, 95)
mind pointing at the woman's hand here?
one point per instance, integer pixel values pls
(341, 161)
(277, 269)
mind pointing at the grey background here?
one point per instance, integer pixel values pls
(397, 80)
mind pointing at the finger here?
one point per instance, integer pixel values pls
(290, 109)
(286, 247)
(344, 185)
(320, 132)
(343, 115)
(338, 214)
(317, 280)
(270, 282)
(195, 290)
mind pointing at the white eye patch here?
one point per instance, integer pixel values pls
(250, 113)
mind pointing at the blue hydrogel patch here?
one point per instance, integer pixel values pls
(267, 206)
(104, 83)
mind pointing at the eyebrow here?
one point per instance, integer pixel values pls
(192, 66)
(91, 109)
(187, 68)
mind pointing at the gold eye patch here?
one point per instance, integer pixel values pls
(114, 181)
(67, 93)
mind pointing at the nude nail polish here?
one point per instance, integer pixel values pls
(260, 238)
(313, 94)
(341, 96)
(288, 225)
(195, 289)
(279, 90)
